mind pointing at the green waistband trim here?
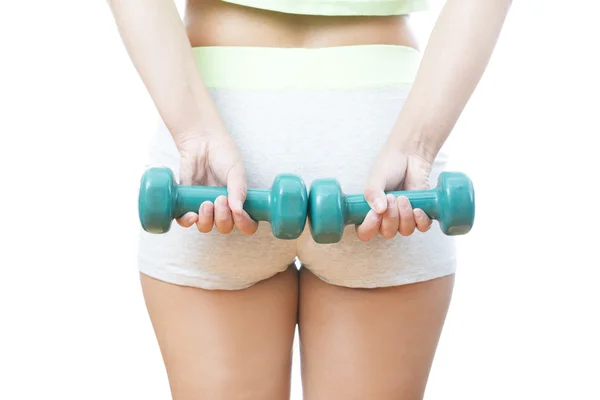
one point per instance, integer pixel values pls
(303, 68)
(338, 7)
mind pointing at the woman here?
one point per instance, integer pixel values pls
(247, 89)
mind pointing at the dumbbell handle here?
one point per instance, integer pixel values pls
(189, 198)
(356, 206)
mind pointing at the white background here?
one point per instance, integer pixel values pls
(74, 120)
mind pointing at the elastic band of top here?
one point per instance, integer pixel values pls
(338, 7)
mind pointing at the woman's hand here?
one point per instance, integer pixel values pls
(160, 49)
(213, 159)
(395, 169)
(454, 61)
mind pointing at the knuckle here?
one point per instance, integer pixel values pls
(407, 231)
(204, 228)
(243, 227)
(363, 238)
(391, 212)
(388, 233)
(406, 215)
(360, 234)
(223, 229)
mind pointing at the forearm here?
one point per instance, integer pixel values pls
(454, 61)
(156, 41)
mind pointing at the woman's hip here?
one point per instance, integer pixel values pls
(313, 112)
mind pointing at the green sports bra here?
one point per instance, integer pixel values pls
(337, 7)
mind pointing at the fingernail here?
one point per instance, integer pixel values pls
(236, 205)
(221, 203)
(237, 216)
(420, 214)
(205, 210)
(403, 201)
(391, 201)
(379, 205)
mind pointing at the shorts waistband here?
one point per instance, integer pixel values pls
(277, 68)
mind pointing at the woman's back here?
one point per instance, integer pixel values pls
(220, 23)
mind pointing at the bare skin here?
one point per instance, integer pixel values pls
(356, 343)
(226, 345)
(369, 343)
(379, 364)
(216, 23)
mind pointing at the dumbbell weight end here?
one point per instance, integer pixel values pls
(451, 203)
(161, 200)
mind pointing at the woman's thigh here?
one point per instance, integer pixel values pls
(369, 343)
(220, 344)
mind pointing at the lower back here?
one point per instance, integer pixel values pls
(217, 23)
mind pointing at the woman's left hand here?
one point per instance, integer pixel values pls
(394, 169)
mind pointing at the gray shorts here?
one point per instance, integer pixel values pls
(317, 113)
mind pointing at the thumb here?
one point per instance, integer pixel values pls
(375, 197)
(236, 189)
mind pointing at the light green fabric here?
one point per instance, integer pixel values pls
(342, 67)
(338, 7)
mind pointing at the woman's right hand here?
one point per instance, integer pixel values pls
(213, 159)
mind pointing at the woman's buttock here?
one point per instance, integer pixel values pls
(317, 113)
(219, 23)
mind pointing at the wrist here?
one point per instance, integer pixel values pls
(202, 129)
(197, 117)
(416, 142)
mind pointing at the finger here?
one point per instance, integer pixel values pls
(407, 218)
(422, 220)
(205, 217)
(236, 190)
(390, 221)
(376, 198)
(223, 219)
(369, 227)
(244, 223)
(187, 220)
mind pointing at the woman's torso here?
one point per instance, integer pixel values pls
(217, 23)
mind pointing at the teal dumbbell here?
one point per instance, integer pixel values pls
(161, 200)
(451, 203)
